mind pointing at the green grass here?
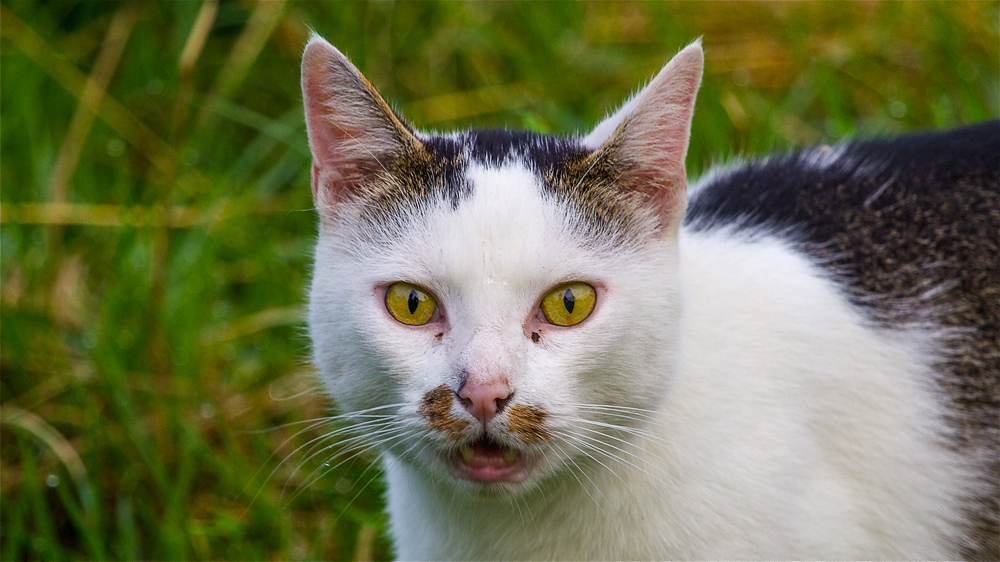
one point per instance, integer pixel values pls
(157, 225)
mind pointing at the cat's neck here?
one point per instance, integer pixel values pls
(563, 518)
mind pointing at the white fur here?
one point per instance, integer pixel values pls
(786, 425)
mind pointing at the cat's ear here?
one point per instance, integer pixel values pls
(352, 130)
(649, 134)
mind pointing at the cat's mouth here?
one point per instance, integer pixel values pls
(485, 460)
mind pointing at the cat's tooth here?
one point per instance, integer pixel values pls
(466, 452)
(509, 456)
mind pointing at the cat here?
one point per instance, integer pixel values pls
(560, 351)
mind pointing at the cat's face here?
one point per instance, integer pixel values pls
(495, 306)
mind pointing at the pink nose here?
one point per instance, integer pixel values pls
(484, 400)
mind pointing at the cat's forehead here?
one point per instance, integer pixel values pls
(505, 223)
(514, 170)
(504, 227)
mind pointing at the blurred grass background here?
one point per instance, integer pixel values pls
(157, 223)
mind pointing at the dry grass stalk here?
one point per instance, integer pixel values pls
(90, 100)
(101, 215)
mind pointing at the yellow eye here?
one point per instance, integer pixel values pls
(409, 304)
(569, 304)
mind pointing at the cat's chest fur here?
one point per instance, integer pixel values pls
(560, 353)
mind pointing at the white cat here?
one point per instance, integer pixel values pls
(559, 356)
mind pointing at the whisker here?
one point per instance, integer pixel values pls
(619, 439)
(347, 443)
(415, 443)
(372, 423)
(325, 419)
(584, 473)
(592, 439)
(319, 423)
(313, 442)
(315, 475)
(378, 408)
(311, 389)
(625, 429)
(330, 419)
(594, 444)
(654, 414)
(363, 488)
(624, 411)
(385, 444)
(325, 468)
(639, 413)
(641, 433)
(375, 423)
(595, 459)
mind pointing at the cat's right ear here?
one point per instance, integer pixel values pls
(352, 130)
(650, 134)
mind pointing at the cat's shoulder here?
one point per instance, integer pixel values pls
(899, 216)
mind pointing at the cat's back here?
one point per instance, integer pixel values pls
(910, 227)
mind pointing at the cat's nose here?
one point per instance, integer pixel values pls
(484, 400)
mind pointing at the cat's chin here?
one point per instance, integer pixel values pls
(488, 462)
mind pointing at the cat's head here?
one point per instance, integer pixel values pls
(495, 306)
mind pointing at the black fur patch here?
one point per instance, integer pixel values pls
(543, 152)
(913, 226)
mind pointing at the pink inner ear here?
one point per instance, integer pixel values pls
(657, 129)
(330, 91)
(318, 125)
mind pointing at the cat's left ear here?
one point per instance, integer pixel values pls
(352, 130)
(649, 135)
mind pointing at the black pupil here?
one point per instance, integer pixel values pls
(568, 301)
(413, 301)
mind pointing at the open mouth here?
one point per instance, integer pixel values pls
(485, 460)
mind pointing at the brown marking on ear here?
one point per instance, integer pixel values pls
(528, 422)
(436, 407)
(617, 194)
